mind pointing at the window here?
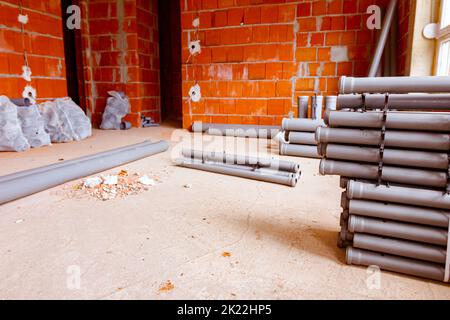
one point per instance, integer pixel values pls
(443, 44)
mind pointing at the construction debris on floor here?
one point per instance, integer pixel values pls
(116, 186)
(262, 169)
(395, 170)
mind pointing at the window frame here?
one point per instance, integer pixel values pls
(442, 36)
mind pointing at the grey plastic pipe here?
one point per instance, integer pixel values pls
(419, 101)
(24, 183)
(296, 137)
(303, 107)
(236, 130)
(389, 173)
(222, 157)
(383, 38)
(250, 168)
(402, 248)
(330, 103)
(420, 121)
(388, 262)
(306, 125)
(406, 158)
(427, 84)
(400, 230)
(402, 139)
(195, 164)
(317, 107)
(396, 194)
(404, 213)
(298, 150)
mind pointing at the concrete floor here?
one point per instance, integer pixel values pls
(281, 241)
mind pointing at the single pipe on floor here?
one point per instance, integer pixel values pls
(409, 266)
(274, 164)
(405, 158)
(398, 212)
(402, 248)
(396, 194)
(420, 121)
(253, 169)
(389, 173)
(21, 184)
(402, 139)
(383, 38)
(400, 230)
(429, 84)
(296, 137)
(419, 101)
(298, 150)
(306, 125)
(303, 107)
(195, 164)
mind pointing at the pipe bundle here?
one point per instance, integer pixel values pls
(394, 167)
(261, 169)
(300, 137)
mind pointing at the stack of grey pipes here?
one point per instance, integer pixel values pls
(392, 153)
(298, 134)
(256, 168)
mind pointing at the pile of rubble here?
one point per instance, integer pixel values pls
(116, 186)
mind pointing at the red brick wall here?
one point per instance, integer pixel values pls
(120, 52)
(43, 41)
(404, 13)
(259, 55)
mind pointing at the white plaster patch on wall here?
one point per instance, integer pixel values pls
(339, 53)
(194, 47)
(316, 85)
(245, 73)
(225, 72)
(319, 23)
(320, 69)
(195, 93)
(196, 22)
(26, 73)
(22, 18)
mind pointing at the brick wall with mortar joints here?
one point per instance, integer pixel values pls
(259, 55)
(43, 41)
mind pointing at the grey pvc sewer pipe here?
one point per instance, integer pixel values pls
(420, 121)
(263, 171)
(24, 183)
(396, 194)
(400, 230)
(273, 178)
(297, 137)
(303, 106)
(402, 248)
(418, 101)
(406, 158)
(317, 107)
(388, 262)
(298, 150)
(222, 157)
(398, 212)
(306, 125)
(389, 173)
(402, 139)
(383, 38)
(429, 84)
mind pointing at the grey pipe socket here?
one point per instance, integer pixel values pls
(298, 150)
(396, 194)
(274, 164)
(388, 262)
(248, 174)
(390, 174)
(418, 121)
(422, 101)
(306, 125)
(21, 184)
(405, 158)
(400, 230)
(402, 248)
(398, 212)
(402, 139)
(296, 137)
(394, 85)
